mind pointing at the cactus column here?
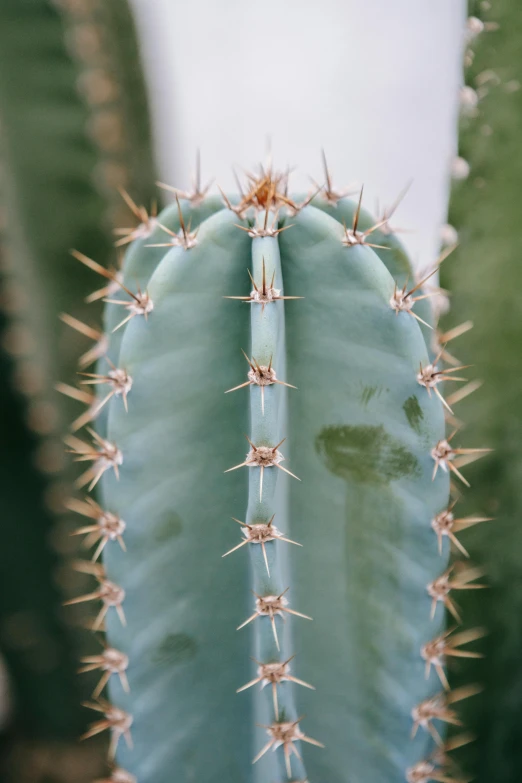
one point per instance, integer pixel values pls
(364, 434)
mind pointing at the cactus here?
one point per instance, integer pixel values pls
(484, 210)
(73, 125)
(34, 642)
(339, 511)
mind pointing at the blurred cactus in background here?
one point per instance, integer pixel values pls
(347, 507)
(347, 379)
(483, 280)
(73, 129)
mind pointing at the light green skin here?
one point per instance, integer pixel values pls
(392, 253)
(360, 430)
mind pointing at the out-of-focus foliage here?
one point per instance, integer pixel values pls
(33, 641)
(485, 280)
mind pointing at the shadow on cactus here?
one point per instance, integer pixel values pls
(294, 323)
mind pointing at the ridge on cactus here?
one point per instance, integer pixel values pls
(341, 390)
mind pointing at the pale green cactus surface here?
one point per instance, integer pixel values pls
(275, 511)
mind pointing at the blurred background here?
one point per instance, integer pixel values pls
(412, 97)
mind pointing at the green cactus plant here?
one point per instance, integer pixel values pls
(73, 126)
(273, 298)
(483, 281)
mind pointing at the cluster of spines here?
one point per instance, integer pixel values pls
(99, 84)
(266, 199)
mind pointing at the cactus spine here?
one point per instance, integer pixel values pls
(364, 433)
(486, 216)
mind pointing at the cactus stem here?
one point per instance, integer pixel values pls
(440, 588)
(100, 347)
(260, 533)
(271, 606)
(119, 775)
(106, 456)
(444, 454)
(445, 524)
(144, 229)
(437, 650)
(110, 661)
(109, 594)
(273, 674)
(107, 527)
(115, 719)
(284, 734)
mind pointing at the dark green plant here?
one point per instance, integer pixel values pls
(484, 280)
